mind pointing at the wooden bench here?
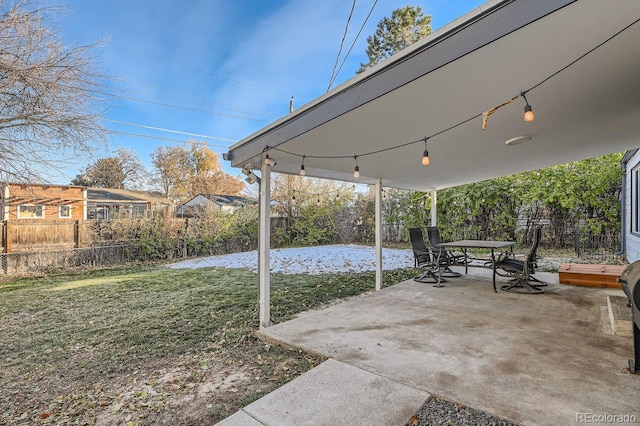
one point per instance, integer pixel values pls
(590, 275)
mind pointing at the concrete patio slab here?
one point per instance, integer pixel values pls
(541, 359)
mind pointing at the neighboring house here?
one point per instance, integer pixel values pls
(206, 202)
(631, 205)
(31, 201)
(36, 217)
(107, 203)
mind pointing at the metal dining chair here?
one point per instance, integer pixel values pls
(427, 259)
(451, 258)
(521, 271)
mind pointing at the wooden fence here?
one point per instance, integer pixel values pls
(30, 235)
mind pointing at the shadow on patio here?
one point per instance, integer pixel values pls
(532, 359)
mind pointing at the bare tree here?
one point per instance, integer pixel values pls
(48, 116)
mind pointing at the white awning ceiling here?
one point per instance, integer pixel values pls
(471, 65)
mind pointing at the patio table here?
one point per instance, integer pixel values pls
(481, 244)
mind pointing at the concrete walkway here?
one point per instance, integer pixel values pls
(546, 359)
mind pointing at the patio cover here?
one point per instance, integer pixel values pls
(467, 67)
(577, 61)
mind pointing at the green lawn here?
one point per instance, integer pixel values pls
(150, 345)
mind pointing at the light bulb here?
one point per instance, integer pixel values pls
(425, 155)
(302, 172)
(356, 172)
(528, 114)
(425, 158)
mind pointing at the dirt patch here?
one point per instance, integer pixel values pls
(199, 390)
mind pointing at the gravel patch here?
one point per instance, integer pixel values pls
(439, 412)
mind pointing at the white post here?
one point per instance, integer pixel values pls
(264, 243)
(434, 209)
(378, 235)
(84, 204)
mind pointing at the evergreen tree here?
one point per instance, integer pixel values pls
(405, 26)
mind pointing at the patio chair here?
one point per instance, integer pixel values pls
(448, 257)
(521, 271)
(426, 259)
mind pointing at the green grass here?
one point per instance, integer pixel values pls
(72, 345)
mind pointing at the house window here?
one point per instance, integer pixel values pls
(30, 212)
(101, 213)
(635, 199)
(64, 211)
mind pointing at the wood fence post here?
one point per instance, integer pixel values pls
(7, 237)
(76, 233)
(186, 230)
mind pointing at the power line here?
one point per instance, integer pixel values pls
(131, 98)
(100, 92)
(344, 36)
(183, 95)
(160, 138)
(157, 58)
(170, 131)
(354, 41)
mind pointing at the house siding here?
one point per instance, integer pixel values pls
(49, 196)
(632, 239)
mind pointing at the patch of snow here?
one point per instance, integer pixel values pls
(309, 260)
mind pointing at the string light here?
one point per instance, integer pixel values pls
(296, 199)
(425, 155)
(528, 117)
(302, 172)
(318, 202)
(528, 111)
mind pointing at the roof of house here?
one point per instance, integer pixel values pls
(229, 200)
(126, 195)
(224, 200)
(627, 156)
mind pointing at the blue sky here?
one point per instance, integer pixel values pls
(218, 68)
